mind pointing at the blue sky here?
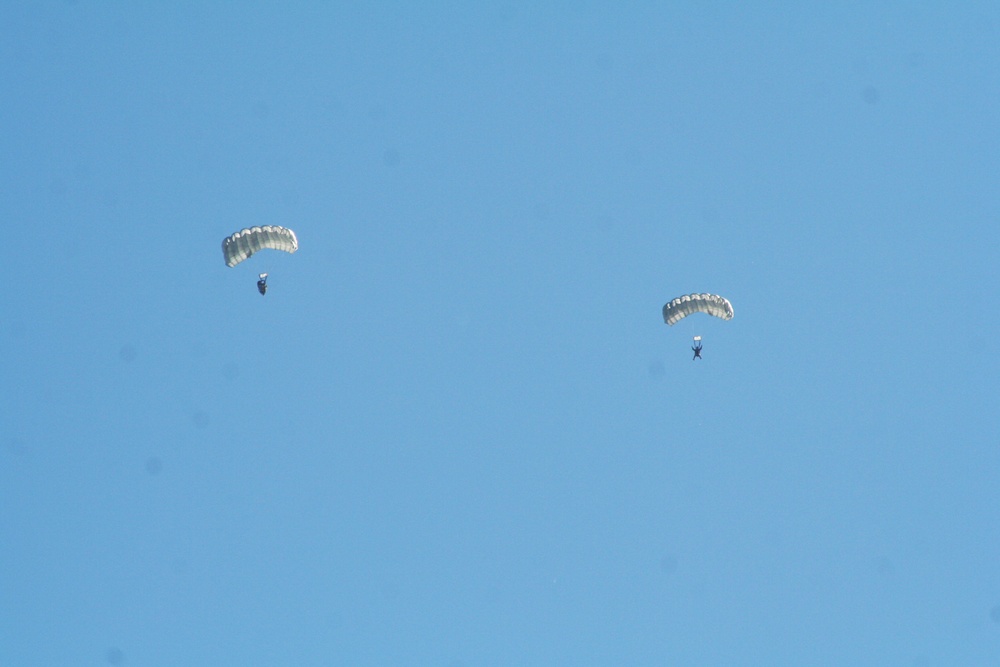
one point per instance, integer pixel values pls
(456, 431)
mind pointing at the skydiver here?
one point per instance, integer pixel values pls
(262, 284)
(697, 350)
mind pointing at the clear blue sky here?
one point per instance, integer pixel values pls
(456, 431)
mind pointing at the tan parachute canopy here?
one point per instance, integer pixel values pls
(246, 242)
(713, 304)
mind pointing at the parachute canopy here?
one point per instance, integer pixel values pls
(246, 242)
(713, 304)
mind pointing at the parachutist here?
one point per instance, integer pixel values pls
(262, 284)
(696, 348)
